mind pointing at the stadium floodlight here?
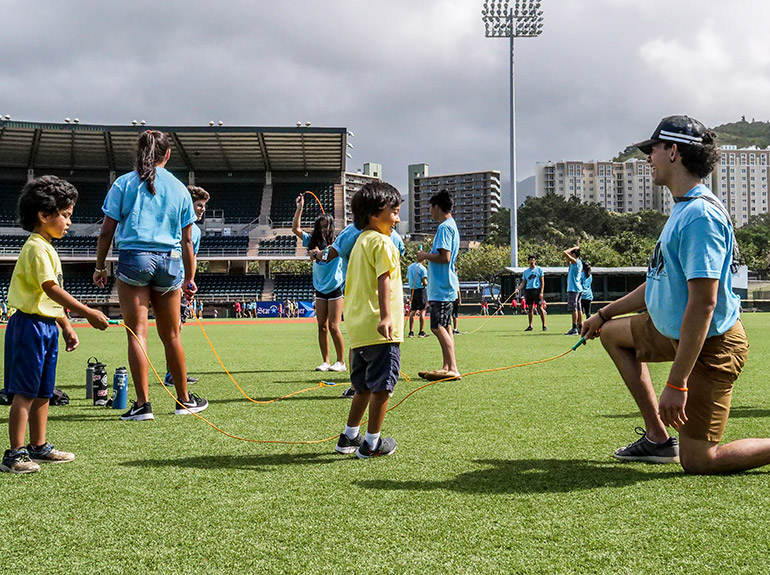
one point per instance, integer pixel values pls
(67, 120)
(76, 120)
(351, 134)
(221, 123)
(351, 145)
(299, 124)
(142, 123)
(211, 122)
(134, 122)
(7, 117)
(348, 154)
(522, 20)
(307, 124)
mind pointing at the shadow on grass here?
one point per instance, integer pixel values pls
(746, 411)
(103, 414)
(534, 476)
(302, 396)
(250, 462)
(220, 371)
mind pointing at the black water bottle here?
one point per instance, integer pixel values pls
(100, 384)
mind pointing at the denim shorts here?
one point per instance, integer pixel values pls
(160, 270)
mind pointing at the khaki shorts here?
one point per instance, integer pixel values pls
(711, 382)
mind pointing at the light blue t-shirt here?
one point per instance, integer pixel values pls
(573, 276)
(443, 284)
(415, 273)
(148, 222)
(587, 293)
(344, 242)
(327, 276)
(696, 242)
(532, 277)
(196, 238)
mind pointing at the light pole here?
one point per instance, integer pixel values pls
(522, 20)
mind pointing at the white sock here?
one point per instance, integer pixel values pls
(372, 439)
(351, 432)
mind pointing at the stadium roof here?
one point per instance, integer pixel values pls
(31, 145)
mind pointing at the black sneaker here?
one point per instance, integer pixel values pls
(194, 404)
(529, 328)
(347, 445)
(411, 334)
(386, 446)
(573, 331)
(18, 461)
(349, 392)
(649, 452)
(545, 328)
(456, 331)
(138, 413)
(423, 334)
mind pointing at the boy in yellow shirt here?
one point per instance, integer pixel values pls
(374, 315)
(32, 338)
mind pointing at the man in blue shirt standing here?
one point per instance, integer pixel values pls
(692, 317)
(533, 284)
(417, 276)
(443, 284)
(574, 288)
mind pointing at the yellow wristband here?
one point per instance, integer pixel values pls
(676, 388)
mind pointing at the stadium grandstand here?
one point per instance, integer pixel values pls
(253, 175)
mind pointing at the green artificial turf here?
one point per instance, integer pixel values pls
(503, 472)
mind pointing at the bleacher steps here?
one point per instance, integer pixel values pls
(268, 288)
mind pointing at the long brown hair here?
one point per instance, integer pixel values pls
(151, 150)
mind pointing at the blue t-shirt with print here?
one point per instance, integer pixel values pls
(148, 222)
(573, 276)
(443, 284)
(696, 242)
(196, 238)
(532, 277)
(327, 276)
(415, 273)
(586, 282)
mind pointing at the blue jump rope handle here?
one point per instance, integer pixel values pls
(579, 343)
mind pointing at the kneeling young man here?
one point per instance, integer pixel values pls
(692, 317)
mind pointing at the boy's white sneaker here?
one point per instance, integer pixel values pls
(338, 366)
(323, 367)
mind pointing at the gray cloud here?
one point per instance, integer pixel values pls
(415, 81)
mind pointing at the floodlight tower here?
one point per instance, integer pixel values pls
(522, 20)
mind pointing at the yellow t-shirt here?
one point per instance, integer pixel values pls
(38, 263)
(373, 255)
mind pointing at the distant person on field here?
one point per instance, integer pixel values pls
(574, 288)
(200, 198)
(374, 299)
(417, 277)
(150, 214)
(328, 282)
(533, 285)
(691, 317)
(443, 284)
(32, 337)
(587, 295)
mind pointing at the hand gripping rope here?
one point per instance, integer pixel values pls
(582, 341)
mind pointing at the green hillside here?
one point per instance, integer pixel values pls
(741, 134)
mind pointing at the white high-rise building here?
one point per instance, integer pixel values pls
(740, 180)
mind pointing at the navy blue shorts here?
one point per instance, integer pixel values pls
(31, 351)
(375, 367)
(419, 299)
(160, 270)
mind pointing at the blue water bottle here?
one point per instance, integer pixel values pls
(120, 389)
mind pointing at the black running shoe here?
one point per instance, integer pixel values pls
(349, 392)
(194, 404)
(411, 334)
(386, 446)
(529, 328)
(191, 379)
(649, 452)
(138, 413)
(423, 334)
(573, 331)
(347, 445)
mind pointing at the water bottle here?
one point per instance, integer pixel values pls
(120, 389)
(90, 377)
(100, 384)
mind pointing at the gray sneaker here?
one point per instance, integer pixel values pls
(18, 461)
(47, 453)
(347, 445)
(386, 446)
(648, 451)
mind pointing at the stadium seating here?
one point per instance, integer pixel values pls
(81, 287)
(280, 245)
(241, 202)
(91, 196)
(224, 246)
(69, 245)
(293, 287)
(9, 192)
(284, 202)
(212, 286)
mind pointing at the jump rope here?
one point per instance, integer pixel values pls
(318, 386)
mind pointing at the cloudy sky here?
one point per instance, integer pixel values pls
(415, 80)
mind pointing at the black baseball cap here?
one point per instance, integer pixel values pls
(678, 129)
